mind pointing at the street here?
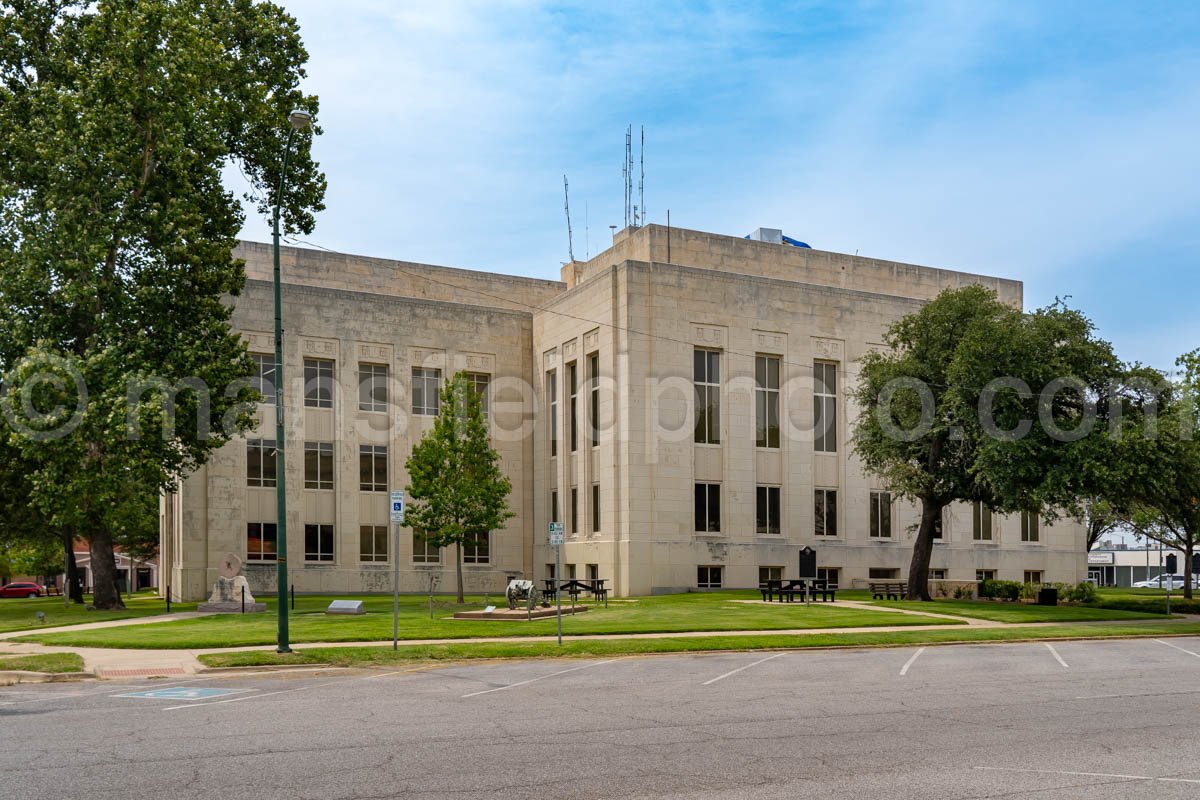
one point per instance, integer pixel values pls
(1113, 719)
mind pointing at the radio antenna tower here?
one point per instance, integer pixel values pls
(627, 172)
(642, 179)
(567, 209)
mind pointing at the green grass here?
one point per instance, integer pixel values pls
(20, 613)
(1017, 612)
(411, 654)
(714, 611)
(44, 662)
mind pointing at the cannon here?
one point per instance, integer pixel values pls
(519, 591)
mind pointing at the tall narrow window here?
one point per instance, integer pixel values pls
(260, 462)
(706, 368)
(939, 527)
(766, 401)
(766, 508)
(426, 383)
(554, 506)
(1029, 527)
(481, 383)
(318, 465)
(825, 512)
(260, 541)
(372, 387)
(477, 550)
(373, 467)
(595, 508)
(574, 509)
(981, 522)
(824, 407)
(881, 515)
(594, 397)
(573, 406)
(372, 543)
(423, 551)
(263, 380)
(318, 383)
(552, 391)
(708, 507)
(318, 543)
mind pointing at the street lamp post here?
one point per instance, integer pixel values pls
(299, 121)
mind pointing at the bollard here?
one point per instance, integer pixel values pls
(168, 598)
(293, 597)
(243, 599)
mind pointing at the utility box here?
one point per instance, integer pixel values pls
(1048, 596)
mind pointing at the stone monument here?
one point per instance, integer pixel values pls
(231, 594)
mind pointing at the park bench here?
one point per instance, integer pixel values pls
(888, 590)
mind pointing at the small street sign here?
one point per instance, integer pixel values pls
(556, 533)
(397, 506)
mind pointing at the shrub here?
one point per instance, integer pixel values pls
(988, 588)
(1083, 593)
(1011, 590)
(963, 592)
(1029, 591)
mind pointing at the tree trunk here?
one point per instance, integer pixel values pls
(105, 595)
(918, 570)
(73, 589)
(459, 551)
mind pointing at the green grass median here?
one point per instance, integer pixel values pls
(43, 662)
(996, 611)
(20, 613)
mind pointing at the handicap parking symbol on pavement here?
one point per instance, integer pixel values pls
(182, 693)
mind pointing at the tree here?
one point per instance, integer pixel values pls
(1101, 519)
(117, 119)
(948, 412)
(458, 493)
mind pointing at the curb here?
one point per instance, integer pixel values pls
(14, 676)
(264, 668)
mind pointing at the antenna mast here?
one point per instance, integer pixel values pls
(642, 179)
(567, 208)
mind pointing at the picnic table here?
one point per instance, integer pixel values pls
(888, 590)
(786, 590)
(574, 587)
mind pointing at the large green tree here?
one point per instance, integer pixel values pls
(976, 401)
(458, 493)
(117, 119)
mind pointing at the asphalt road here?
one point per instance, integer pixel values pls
(1092, 720)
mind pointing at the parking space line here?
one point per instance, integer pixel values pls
(542, 677)
(909, 663)
(1091, 774)
(1054, 653)
(1177, 647)
(283, 691)
(739, 669)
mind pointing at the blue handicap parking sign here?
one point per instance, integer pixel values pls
(182, 693)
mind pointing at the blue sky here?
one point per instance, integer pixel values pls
(1053, 142)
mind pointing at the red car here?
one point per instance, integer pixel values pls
(20, 590)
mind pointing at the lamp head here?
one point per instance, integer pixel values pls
(299, 119)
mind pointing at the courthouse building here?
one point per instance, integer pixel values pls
(679, 402)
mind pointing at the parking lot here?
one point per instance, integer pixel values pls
(1059, 720)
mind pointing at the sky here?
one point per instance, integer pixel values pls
(1052, 142)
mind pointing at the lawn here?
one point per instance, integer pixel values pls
(44, 662)
(1016, 612)
(18, 613)
(712, 611)
(411, 654)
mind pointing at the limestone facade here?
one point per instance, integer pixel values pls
(613, 450)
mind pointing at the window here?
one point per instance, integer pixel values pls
(825, 512)
(881, 515)
(883, 573)
(573, 407)
(477, 550)
(554, 506)
(423, 551)
(766, 401)
(260, 541)
(372, 543)
(425, 385)
(769, 574)
(593, 572)
(766, 509)
(552, 391)
(373, 467)
(318, 383)
(594, 397)
(574, 509)
(1029, 527)
(937, 574)
(318, 465)
(824, 407)
(939, 527)
(372, 387)
(708, 507)
(481, 382)
(570, 572)
(595, 508)
(550, 571)
(318, 543)
(829, 575)
(263, 380)
(985, 574)
(706, 367)
(1033, 576)
(708, 577)
(260, 462)
(981, 522)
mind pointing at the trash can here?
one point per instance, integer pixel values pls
(1048, 596)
